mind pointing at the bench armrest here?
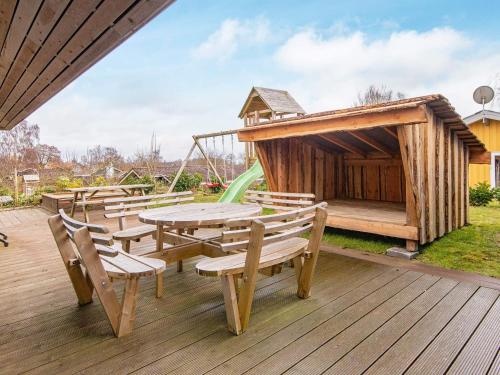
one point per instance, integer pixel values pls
(106, 250)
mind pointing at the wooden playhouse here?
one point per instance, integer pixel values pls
(397, 169)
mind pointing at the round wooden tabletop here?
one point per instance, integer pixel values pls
(198, 214)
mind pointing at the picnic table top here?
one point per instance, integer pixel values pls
(198, 214)
(110, 187)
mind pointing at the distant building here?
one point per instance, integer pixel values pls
(108, 172)
(30, 181)
(139, 172)
(488, 132)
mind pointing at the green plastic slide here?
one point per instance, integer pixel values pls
(235, 191)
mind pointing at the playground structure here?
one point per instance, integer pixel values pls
(211, 166)
(398, 169)
(262, 104)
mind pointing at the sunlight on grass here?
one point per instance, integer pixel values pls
(473, 248)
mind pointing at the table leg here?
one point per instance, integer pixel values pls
(73, 206)
(159, 238)
(84, 208)
(179, 262)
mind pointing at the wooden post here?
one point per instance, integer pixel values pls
(208, 160)
(181, 169)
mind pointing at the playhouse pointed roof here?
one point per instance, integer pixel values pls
(276, 100)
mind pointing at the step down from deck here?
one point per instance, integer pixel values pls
(400, 252)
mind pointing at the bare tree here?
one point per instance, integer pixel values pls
(149, 158)
(376, 95)
(100, 157)
(46, 154)
(14, 144)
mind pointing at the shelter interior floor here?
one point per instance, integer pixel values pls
(362, 317)
(387, 212)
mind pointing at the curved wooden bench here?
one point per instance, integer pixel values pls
(267, 242)
(271, 255)
(122, 208)
(102, 263)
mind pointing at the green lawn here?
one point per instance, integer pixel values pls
(474, 248)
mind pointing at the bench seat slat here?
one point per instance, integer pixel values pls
(271, 254)
(134, 232)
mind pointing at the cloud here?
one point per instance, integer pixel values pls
(231, 35)
(330, 71)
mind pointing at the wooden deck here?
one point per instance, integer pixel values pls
(383, 218)
(362, 317)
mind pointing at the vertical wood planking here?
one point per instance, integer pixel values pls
(319, 181)
(449, 179)
(440, 180)
(456, 190)
(430, 175)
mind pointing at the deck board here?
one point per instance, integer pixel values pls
(359, 316)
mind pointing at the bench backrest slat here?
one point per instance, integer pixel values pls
(278, 227)
(280, 201)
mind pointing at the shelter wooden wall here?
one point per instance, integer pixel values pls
(435, 161)
(300, 165)
(375, 179)
(292, 165)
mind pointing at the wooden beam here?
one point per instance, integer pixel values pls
(371, 142)
(389, 131)
(335, 122)
(479, 157)
(345, 145)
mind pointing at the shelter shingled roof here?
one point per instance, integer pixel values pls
(276, 100)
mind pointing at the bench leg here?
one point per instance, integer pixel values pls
(126, 246)
(297, 265)
(127, 315)
(159, 285)
(179, 266)
(231, 303)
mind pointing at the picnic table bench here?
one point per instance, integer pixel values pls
(82, 196)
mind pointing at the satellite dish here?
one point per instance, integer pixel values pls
(483, 95)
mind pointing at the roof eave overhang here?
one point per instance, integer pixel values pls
(337, 122)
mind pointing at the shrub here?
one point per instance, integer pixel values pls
(100, 181)
(5, 191)
(64, 182)
(481, 194)
(496, 193)
(47, 189)
(188, 181)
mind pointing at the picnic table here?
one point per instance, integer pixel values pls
(185, 219)
(82, 196)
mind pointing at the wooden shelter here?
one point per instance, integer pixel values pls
(46, 44)
(397, 169)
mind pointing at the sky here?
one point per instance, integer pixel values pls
(191, 68)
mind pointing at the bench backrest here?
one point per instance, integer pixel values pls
(242, 234)
(129, 206)
(97, 233)
(280, 201)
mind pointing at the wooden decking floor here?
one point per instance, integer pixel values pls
(362, 317)
(385, 212)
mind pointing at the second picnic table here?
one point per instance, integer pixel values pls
(80, 196)
(185, 218)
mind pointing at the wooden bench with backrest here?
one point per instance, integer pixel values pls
(96, 263)
(279, 201)
(268, 242)
(122, 208)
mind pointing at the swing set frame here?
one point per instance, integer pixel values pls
(210, 165)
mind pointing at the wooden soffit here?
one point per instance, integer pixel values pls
(409, 114)
(46, 44)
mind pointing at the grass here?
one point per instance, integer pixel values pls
(473, 248)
